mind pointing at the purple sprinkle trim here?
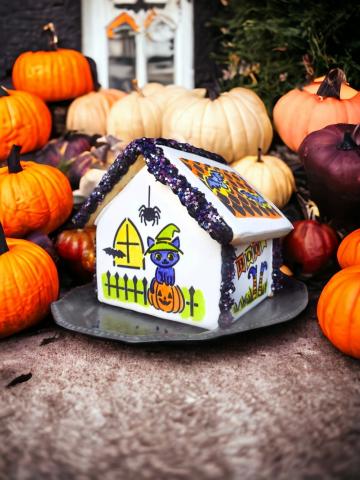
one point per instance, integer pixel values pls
(227, 287)
(277, 276)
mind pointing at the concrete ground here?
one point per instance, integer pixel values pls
(278, 403)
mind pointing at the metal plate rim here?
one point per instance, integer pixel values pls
(203, 335)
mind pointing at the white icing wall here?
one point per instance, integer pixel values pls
(253, 275)
(198, 267)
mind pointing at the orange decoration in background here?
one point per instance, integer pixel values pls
(122, 19)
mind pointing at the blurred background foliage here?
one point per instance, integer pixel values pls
(275, 45)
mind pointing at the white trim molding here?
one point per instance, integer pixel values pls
(176, 14)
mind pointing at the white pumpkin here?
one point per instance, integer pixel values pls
(135, 116)
(165, 94)
(88, 113)
(233, 124)
(269, 175)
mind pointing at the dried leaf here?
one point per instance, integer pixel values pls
(20, 379)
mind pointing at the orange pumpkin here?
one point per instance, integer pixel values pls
(32, 196)
(348, 253)
(25, 120)
(338, 310)
(55, 74)
(28, 284)
(168, 298)
(313, 107)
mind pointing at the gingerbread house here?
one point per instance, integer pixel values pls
(182, 236)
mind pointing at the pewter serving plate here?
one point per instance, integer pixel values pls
(80, 311)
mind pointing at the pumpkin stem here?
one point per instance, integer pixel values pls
(331, 85)
(348, 142)
(4, 92)
(49, 28)
(13, 160)
(136, 88)
(308, 207)
(259, 159)
(3, 245)
(213, 92)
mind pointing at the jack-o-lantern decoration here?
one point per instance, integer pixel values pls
(168, 298)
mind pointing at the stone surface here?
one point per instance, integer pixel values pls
(275, 403)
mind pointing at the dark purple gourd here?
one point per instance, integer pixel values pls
(331, 158)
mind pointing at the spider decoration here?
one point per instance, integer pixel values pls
(149, 214)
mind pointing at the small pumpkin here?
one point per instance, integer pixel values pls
(54, 74)
(28, 284)
(232, 124)
(77, 248)
(88, 113)
(348, 253)
(312, 244)
(32, 196)
(269, 175)
(168, 298)
(331, 158)
(302, 111)
(338, 310)
(25, 119)
(135, 116)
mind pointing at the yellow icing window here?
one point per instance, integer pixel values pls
(128, 241)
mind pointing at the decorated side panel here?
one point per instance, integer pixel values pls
(253, 275)
(153, 257)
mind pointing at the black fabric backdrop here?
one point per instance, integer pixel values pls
(21, 23)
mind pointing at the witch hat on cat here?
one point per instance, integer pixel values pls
(164, 240)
